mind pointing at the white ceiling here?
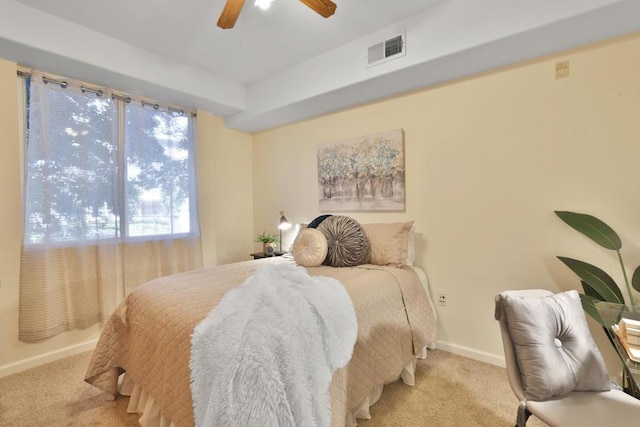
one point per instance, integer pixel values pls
(261, 43)
(288, 63)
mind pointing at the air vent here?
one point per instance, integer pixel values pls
(393, 46)
(387, 50)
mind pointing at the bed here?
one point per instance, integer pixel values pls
(148, 337)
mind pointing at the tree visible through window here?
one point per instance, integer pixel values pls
(91, 175)
(157, 148)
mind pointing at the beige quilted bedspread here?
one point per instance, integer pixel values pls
(149, 334)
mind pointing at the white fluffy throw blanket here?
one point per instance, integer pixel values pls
(265, 355)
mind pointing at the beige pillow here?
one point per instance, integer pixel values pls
(309, 248)
(389, 243)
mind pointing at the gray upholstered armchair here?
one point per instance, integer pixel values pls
(554, 366)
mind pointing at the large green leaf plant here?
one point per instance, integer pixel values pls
(597, 284)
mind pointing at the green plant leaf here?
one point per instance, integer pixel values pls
(593, 228)
(588, 305)
(588, 290)
(267, 238)
(600, 282)
(635, 279)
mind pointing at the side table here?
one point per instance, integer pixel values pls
(259, 255)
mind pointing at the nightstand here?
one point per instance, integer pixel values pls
(259, 255)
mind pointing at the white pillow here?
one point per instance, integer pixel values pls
(309, 248)
(411, 246)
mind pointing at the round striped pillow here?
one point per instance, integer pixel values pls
(347, 243)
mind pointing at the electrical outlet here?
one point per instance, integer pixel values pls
(442, 299)
(562, 70)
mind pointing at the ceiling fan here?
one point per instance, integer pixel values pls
(232, 9)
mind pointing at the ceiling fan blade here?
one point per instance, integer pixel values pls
(230, 13)
(325, 8)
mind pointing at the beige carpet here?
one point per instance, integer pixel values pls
(450, 391)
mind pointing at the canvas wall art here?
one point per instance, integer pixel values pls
(362, 174)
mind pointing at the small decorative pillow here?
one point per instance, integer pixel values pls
(309, 248)
(347, 243)
(390, 243)
(555, 351)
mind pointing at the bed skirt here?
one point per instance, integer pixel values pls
(140, 402)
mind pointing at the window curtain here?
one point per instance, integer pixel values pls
(109, 203)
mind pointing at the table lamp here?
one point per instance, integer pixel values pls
(284, 225)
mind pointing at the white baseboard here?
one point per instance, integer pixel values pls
(41, 359)
(471, 353)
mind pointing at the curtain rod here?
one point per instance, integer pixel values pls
(98, 92)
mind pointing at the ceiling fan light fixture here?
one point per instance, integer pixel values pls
(263, 4)
(232, 8)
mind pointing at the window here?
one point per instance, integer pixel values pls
(158, 153)
(98, 167)
(110, 202)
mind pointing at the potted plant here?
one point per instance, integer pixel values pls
(598, 285)
(268, 243)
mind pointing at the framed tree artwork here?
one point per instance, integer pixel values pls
(362, 174)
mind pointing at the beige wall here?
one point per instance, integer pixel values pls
(224, 165)
(226, 191)
(488, 160)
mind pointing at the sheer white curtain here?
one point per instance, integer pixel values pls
(109, 202)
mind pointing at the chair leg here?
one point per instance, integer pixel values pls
(523, 415)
